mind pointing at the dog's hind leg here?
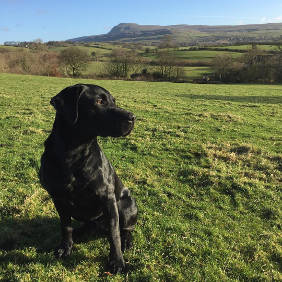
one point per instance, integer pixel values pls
(65, 247)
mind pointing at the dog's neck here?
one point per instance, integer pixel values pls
(71, 151)
(71, 137)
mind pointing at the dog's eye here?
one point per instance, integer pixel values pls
(100, 101)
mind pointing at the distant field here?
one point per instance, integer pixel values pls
(246, 47)
(99, 68)
(199, 56)
(196, 72)
(11, 48)
(197, 59)
(204, 163)
(204, 55)
(100, 52)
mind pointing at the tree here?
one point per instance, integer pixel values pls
(75, 60)
(94, 56)
(122, 62)
(167, 42)
(222, 65)
(256, 64)
(38, 41)
(254, 56)
(167, 65)
(278, 62)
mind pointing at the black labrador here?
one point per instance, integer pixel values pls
(74, 170)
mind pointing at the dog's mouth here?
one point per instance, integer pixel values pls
(119, 124)
(119, 129)
(127, 127)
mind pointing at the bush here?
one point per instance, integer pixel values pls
(3, 64)
(26, 62)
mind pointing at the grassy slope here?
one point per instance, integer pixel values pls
(202, 55)
(204, 163)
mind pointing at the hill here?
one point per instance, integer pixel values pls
(189, 34)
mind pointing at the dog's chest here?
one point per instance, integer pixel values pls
(93, 179)
(92, 184)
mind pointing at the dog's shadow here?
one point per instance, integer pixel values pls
(17, 236)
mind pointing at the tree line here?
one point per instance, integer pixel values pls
(154, 64)
(72, 61)
(255, 65)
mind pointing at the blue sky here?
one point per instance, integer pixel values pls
(27, 20)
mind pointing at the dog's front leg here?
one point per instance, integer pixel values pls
(65, 247)
(116, 256)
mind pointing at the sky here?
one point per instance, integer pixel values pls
(28, 20)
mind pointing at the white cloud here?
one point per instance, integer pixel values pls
(271, 20)
(278, 19)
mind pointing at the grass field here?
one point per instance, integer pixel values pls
(247, 47)
(199, 56)
(203, 162)
(205, 55)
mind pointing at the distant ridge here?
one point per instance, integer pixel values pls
(189, 34)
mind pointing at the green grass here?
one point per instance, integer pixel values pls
(196, 72)
(247, 47)
(204, 55)
(100, 52)
(204, 163)
(196, 57)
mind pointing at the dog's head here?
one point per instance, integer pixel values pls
(92, 110)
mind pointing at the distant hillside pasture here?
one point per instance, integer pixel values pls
(204, 163)
(247, 47)
(193, 57)
(196, 72)
(203, 55)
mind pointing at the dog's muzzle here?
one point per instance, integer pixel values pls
(124, 121)
(128, 124)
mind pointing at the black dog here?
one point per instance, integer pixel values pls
(76, 173)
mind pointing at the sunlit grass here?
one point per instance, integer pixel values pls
(203, 162)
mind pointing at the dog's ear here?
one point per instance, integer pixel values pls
(66, 102)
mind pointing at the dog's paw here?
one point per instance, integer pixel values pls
(116, 266)
(63, 250)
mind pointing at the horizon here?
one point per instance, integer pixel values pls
(23, 20)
